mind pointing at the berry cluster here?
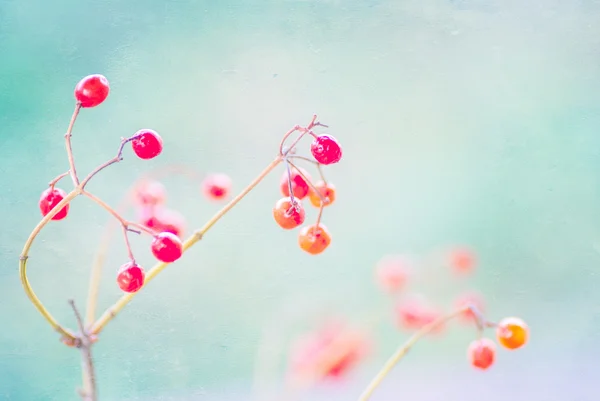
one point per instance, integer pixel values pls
(297, 185)
(413, 312)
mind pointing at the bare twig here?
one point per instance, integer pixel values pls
(89, 392)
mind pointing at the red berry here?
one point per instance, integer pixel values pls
(147, 144)
(472, 298)
(49, 199)
(326, 149)
(287, 214)
(512, 332)
(167, 247)
(92, 90)
(462, 261)
(392, 272)
(314, 239)
(216, 186)
(482, 353)
(161, 219)
(150, 193)
(300, 187)
(327, 191)
(130, 277)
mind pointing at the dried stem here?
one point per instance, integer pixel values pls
(114, 160)
(89, 392)
(65, 333)
(72, 169)
(403, 350)
(309, 182)
(112, 311)
(316, 163)
(52, 183)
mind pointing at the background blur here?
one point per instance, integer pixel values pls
(470, 122)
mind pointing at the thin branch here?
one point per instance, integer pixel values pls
(112, 311)
(52, 183)
(316, 163)
(67, 334)
(114, 160)
(309, 182)
(68, 135)
(403, 350)
(89, 392)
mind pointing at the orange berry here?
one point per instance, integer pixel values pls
(287, 214)
(512, 332)
(327, 191)
(314, 239)
(482, 353)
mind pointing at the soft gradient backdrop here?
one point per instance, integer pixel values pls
(463, 122)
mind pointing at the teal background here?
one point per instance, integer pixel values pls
(462, 122)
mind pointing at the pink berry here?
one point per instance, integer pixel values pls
(147, 144)
(49, 199)
(161, 219)
(392, 272)
(130, 277)
(92, 90)
(167, 247)
(326, 149)
(482, 353)
(150, 193)
(462, 261)
(216, 186)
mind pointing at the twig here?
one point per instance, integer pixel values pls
(89, 392)
(112, 311)
(68, 135)
(403, 350)
(114, 160)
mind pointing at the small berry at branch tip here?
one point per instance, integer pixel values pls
(314, 239)
(326, 149)
(167, 247)
(130, 277)
(392, 272)
(482, 353)
(49, 199)
(327, 191)
(288, 215)
(216, 187)
(147, 144)
(92, 90)
(512, 333)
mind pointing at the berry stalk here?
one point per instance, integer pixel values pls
(404, 348)
(72, 170)
(112, 311)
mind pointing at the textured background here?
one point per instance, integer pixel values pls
(470, 122)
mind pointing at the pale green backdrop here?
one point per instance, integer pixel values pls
(463, 122)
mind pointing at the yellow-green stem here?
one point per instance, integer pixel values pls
(23, 266)
(112, 311)
(403, 350)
